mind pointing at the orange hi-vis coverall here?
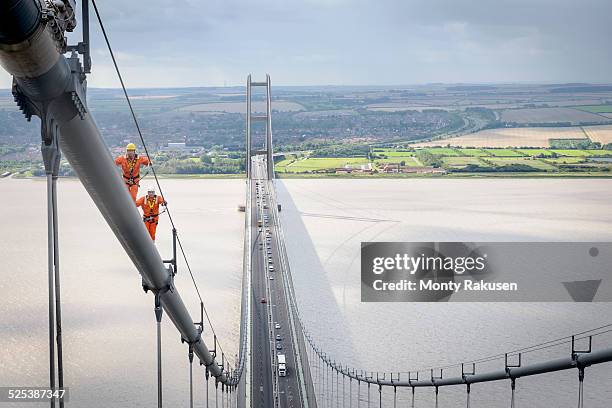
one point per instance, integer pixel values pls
(131, 171)
(150, 210)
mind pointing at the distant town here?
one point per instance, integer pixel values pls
(428, 130)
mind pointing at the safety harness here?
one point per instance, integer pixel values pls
(151, 217)
(132, 179)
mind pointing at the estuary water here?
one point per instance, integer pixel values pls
(330, 218)
(109, 325)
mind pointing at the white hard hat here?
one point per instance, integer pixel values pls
(151, 189)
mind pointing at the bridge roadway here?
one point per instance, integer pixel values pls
(271, 318)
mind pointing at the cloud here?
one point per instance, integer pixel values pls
(195, 43)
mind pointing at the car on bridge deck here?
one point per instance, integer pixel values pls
(279, 346)
(263, 300)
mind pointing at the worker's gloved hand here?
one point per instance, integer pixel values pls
(165, 203)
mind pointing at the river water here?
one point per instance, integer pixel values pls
(109, 326)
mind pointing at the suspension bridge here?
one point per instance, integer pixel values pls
(50, 83)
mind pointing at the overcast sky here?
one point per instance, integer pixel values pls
(352, 42)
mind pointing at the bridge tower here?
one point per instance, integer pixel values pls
(267, 117)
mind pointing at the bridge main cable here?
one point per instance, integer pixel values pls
(49, 85)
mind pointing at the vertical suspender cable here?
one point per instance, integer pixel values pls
(412, 405)
(467, 403)
(158, 317)
(325, 384)
(337, 389)
(368, 395)
(512, 386)
(190, 376)
(436, 397)
(320, 380)
(58, 307)
(50, 246)
(331, 383)
(358, 393)
(207, 386)
(350, 392)
(581, 387)
(343, 392)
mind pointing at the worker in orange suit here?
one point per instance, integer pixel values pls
(130, 165)
(150, 210)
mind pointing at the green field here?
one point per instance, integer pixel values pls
(503, 153)
(442, 151)
(595, 108)
(473, 152)
(565, 160)
(393, 153)
(572, 152)
(316, 163)
(599, 153)
(535, 163)
(536, 152)
(463, 161)
(408, 160)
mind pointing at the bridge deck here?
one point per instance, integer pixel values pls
(270, 319)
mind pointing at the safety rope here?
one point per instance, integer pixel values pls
(136, 123)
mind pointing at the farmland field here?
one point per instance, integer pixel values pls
(601, 134)
(503, 153)
(571, 153)
(535, 163)
(519, 137)
(442, 151)
(393, 153)
(596, 108)
(463, 161)
(473, 152)
(549, 115)
(316, 163)
(536, 152)
(281, 165)
(408, 161)
(565, 160)
(599, 153)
